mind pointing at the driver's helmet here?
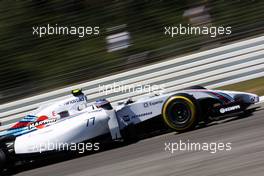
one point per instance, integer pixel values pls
(83, 99)
(77, 92)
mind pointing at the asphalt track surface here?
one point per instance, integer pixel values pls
(148, 156)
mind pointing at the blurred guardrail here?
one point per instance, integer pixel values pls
(30, 64)
(225, 65)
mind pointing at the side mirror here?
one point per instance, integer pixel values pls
(64, 114)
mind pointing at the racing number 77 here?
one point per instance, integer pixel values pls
(90, 121)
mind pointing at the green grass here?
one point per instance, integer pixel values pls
(253, 86)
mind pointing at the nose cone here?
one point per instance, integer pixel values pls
(255, 99)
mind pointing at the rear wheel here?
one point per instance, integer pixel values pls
(2, 160)
(181, 112)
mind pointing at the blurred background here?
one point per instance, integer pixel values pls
(131, 35)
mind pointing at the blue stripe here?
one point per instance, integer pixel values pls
(24, 132)
(27, 120)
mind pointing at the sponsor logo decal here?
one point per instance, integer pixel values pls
(126, 118)
(228, 109)
(141, 115)
(254, 99)
(147, 104)
(41, 122)
(75, 101)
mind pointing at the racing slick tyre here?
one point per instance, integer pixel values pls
(2, 160)
(181, 112)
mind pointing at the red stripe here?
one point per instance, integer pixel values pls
(221, 97)
(20, 124)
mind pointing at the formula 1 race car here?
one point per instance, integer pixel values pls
(74, 120)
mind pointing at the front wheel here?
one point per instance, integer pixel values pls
(181, 112)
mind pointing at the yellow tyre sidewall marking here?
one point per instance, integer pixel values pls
(167, 119)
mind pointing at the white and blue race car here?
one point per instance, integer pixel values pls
(75, 120)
